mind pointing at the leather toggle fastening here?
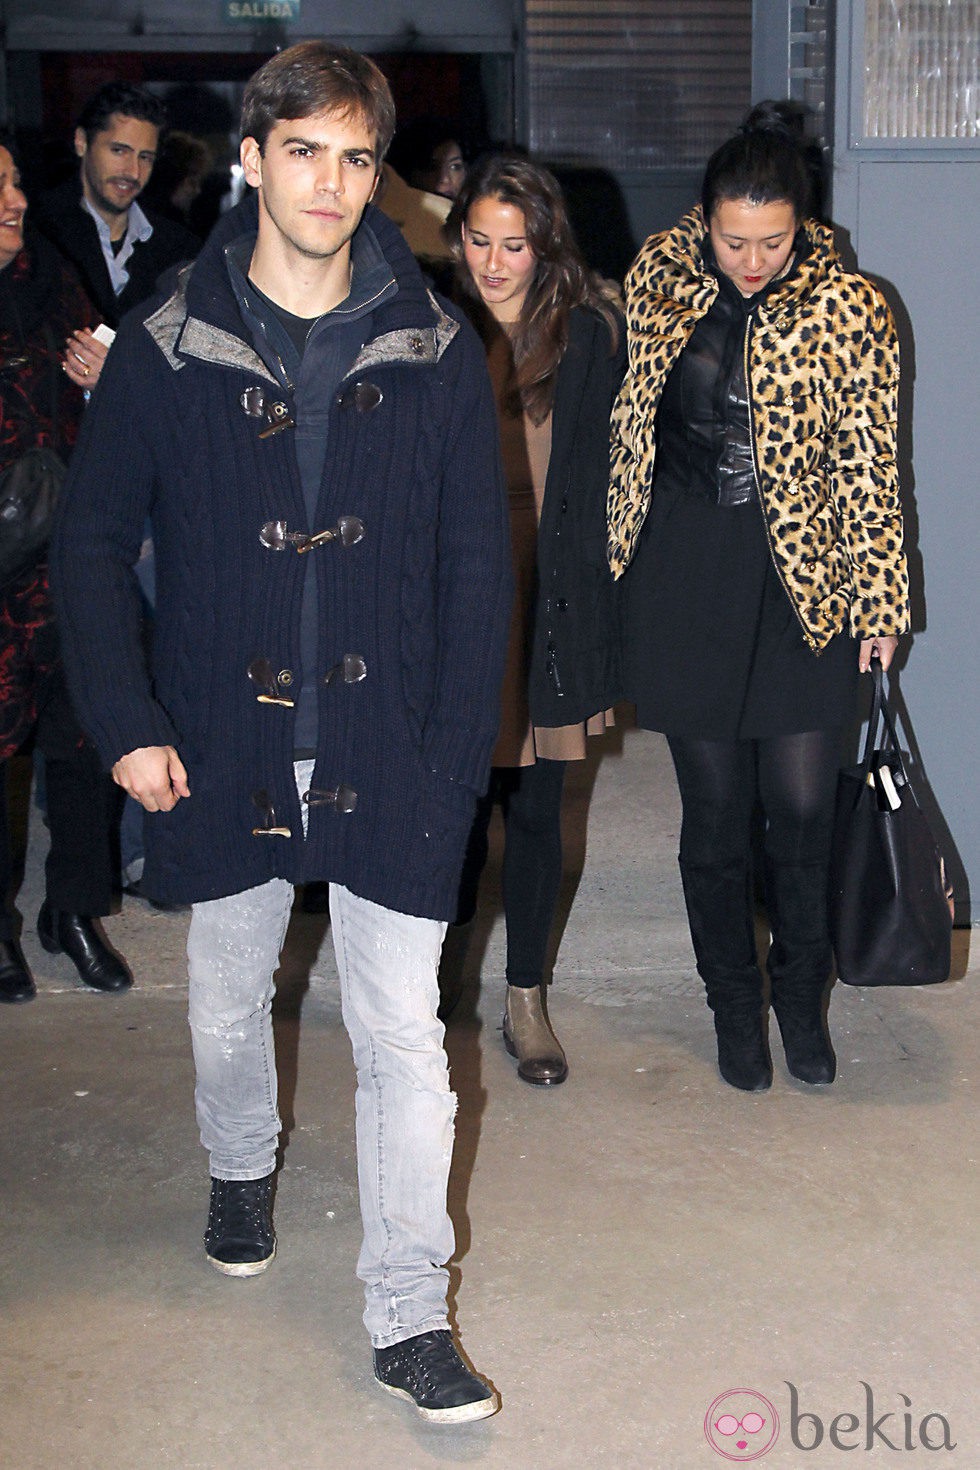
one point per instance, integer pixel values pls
(365, 397)
(343, 799)
(270, 828)
(274, 413)
(277, 418)
(269, 683)
(351, 670)
(276, 536)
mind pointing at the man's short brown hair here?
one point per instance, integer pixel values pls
(316, 77)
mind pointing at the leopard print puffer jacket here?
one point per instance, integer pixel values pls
(823, 374)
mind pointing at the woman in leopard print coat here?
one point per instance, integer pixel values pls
(754, 500)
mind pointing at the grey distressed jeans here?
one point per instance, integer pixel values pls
(404, 1107)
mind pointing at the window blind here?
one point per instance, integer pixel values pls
(637, 86)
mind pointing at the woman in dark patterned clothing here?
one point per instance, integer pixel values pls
(41, 305)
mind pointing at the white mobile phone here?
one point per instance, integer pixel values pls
(104, 335)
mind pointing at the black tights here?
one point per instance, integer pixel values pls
(793, 778)
(530, 802)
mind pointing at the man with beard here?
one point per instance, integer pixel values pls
(118, 249)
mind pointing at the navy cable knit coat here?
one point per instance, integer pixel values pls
(422, 598)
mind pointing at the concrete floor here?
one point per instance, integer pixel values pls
(631, 1245)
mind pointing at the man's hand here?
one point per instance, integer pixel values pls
(154, 775)
(83, 358)
(884, 646)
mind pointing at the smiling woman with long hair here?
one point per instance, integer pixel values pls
(555, 350)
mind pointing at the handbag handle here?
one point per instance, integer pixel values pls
(881, 714)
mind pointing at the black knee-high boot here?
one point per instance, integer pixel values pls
(799, 964)
(720, 915)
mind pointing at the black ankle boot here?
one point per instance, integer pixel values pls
(15, 978)
(719, 910)
(76, 936)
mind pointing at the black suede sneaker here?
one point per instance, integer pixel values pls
(239, 1238)
(428, 1371)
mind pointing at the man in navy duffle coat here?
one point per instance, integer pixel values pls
(313, 436)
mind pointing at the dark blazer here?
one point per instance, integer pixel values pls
(422, 597)
(574, 671)
(73, 230)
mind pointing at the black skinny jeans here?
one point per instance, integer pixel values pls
(530, 802)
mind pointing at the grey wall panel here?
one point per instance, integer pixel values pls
(770, 48)
(914, 225)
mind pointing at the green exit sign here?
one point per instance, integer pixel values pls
(255, 12)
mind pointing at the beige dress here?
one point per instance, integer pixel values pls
(526, 450)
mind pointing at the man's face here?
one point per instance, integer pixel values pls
(315, 176)
(117, 164)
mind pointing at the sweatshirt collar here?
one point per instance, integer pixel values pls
(372, 281)
(202, 319)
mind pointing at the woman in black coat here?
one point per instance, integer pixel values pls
(556, 353)
(41, 306)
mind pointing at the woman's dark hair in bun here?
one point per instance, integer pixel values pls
(767, 161)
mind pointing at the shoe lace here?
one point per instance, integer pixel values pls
(436, 1357)
(241, 1206)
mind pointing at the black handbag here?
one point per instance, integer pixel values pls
(29, 491)
(890, 904)
(30, 487)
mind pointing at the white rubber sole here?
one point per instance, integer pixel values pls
(460, 1414)
(242, 1268)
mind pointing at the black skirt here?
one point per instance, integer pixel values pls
(713, 646)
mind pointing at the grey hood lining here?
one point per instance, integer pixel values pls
(417, 345)
(215, 345)
(172, 329)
